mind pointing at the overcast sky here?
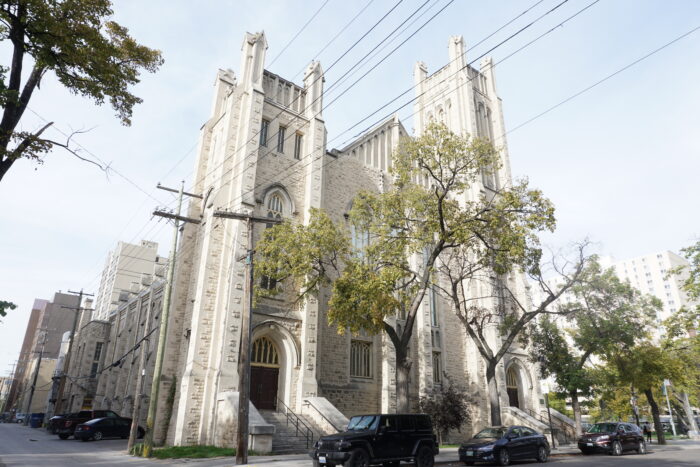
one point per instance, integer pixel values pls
(620, 162)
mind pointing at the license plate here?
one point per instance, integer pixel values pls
(321, 459)
(469, 453)
(589, 444)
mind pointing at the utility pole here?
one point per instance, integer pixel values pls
(139, 383)
(246, 333)
(9, 391)
(66, 362)
(164, 315)
(34, 378)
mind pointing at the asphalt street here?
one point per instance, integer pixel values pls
(27, 447)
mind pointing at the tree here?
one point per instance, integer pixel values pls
(89, 54)
(692, 282)
(498, 318)
(448, 408)
(4, 306)
(426, 214)
(605, 313)
(645, 366)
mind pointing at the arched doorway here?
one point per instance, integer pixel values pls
(512, 387)
(264, 374)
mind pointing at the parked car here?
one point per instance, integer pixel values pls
(20, 417)
(613, 438)
(54, 422)
(106, 427)
(502, 444)
(379, 439)
(67, 429)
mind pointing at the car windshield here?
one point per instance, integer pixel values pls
(491, 433)
(602, 428)
(365, 422)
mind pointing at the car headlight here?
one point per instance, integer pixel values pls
(603, 438)
(485, 448)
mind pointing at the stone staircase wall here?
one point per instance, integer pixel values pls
(287, 439)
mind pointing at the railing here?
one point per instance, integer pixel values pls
(299, 425)
(557, 426)
(309, 404)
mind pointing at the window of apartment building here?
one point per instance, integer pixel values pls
(280, 138)
(298, 140)
(360, 358)
(264, 130)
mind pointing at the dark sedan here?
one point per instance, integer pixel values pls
(502, 444)
(107, 427)
(613, 438)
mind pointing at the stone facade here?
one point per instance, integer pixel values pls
(244, 166)
(301, 361)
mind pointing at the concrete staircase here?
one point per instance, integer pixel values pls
(294, 433)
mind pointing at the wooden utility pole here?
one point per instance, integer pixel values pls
(246, 333)
(58, 405)
(133, 433)
(164, 315)
(27, 412)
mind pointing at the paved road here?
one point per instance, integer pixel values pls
(27, 447)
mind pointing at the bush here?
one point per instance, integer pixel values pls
(448, 408)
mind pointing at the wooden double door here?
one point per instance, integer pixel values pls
(263, 387)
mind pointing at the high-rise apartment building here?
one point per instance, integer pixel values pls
(128, 268)
(652, 274)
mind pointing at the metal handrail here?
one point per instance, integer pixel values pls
(307, 432)
(308, 402)
(557, 424)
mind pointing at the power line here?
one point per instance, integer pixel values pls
(299, 32)
(601, 81)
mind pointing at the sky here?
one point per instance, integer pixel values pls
(620, 161)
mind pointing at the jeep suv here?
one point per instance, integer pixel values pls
(379, 439)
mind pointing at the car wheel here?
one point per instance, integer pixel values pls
(642, 448)
(62, 436)
(541, 454)
(358, 458)
(425, 457)
(616, 449)
(503, 457)
(97, 436)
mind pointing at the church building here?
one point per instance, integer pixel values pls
(263, 151)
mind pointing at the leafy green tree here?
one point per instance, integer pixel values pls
(4, 306)
(604, 315)
(424, 219)
(645, 366)
(692, 282)
(448, 408)
(89, 54)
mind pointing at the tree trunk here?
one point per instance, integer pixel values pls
(5, 166)
(657, 418)
(403, 369)
(693, 426)
(576, 406)
(494, 396)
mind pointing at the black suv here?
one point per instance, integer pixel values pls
(379, 439)
(613, 438)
